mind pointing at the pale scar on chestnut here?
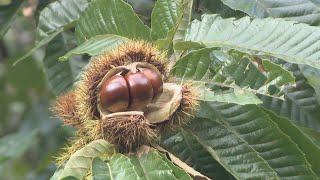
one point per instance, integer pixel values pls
(130, 89)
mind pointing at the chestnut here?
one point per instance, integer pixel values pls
(130, 90)
(140, 90)
(114, 94)
(156, 81)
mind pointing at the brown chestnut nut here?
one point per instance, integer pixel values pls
(156, 81)
(130, 91)
(140, 89)
(114, 94)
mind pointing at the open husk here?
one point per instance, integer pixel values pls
(168, 102)
(131, 129)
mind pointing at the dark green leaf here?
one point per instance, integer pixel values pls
(230, 150)
(313, 77)
(187, 148)
(96, 45)
(163, 18)
(300, 102)
(169, 22)
(313, 135)
(183, 25)
(234, 131)
(310, 149)
(61, 75)
(196, 65)
(110, 17)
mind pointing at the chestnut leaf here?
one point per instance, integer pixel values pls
(80, 162)
(231, 132)
(118, 167)
(95, 46)
(183, 145)
(304, 11)
(110, 17)
(287, 40)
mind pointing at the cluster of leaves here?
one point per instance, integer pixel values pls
(258, 64)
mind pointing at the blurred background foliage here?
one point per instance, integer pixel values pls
(30, 135)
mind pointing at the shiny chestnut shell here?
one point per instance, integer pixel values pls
(140, 90)
(130, 91)
(114, 94)
(156, 81)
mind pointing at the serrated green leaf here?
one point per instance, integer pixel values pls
(54, 19)
(195, 65)
(256, 73)
(303, 11)
(300, 102)
(80, 162)
(313, 77)
(118, 167)
(310, 149)
(62, 75)
(150, 165)
(8, 14)
(14, 145)
(110, 17)
(96, 45)
(184, 22)
(237, 96)
(183, 26)
(236, 70)
(188, 149)
(292, 42)
(169, 22)
(165, 43)
(163, 18)
(230, 150)
(254, 130)
(276, 74)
